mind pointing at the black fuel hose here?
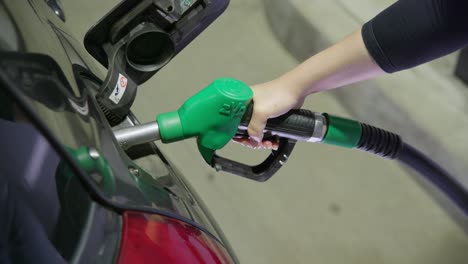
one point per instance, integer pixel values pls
(389, 145)
(354, 134)
(435, 174)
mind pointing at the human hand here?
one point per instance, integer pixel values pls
(271, 99)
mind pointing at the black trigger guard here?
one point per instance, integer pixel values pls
(261, 172)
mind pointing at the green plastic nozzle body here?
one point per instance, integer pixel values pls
(212, 116)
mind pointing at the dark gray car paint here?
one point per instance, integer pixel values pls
(75, 120)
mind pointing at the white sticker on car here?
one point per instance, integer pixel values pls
(119, 89)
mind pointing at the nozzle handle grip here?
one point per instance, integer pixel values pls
(261, 172)
(297, 124)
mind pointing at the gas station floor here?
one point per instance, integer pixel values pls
(326, 205)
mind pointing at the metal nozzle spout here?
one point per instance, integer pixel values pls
(140, 134)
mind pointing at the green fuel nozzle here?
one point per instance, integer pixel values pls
(223, 110)
(212, 116)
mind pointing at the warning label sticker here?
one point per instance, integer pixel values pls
(119, 89)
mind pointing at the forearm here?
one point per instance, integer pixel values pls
(406, 34)
(346, 62)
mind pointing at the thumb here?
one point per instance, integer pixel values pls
(257, 125)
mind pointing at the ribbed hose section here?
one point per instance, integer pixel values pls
(379, 142)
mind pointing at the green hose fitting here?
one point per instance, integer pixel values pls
(212, 116)
(342, 132)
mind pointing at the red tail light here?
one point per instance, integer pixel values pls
(151, 238)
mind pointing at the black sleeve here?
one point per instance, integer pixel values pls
(412, 32)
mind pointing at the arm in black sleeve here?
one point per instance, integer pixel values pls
(412, 32)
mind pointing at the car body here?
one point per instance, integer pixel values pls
(68, 191)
